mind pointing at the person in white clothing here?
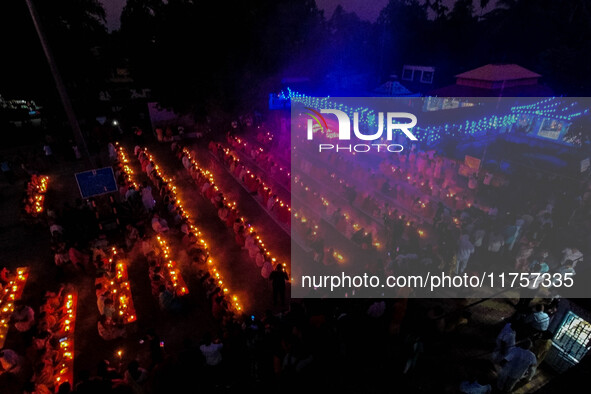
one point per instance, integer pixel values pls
(465, 250)
(211, 351)
(572, 254)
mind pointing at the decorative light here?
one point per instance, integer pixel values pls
(185, 215)
(210, 177)
(64, 371)
(11, 293)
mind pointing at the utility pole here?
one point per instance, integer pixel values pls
(61, 88)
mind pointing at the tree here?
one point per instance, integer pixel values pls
(405, 33)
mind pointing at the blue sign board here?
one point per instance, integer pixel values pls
(96, 182)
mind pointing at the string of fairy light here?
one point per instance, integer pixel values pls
(208, 175)
(213, 270)
(554, 108)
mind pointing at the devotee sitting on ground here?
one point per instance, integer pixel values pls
(538, 320)
(572, 254)
(108, 329)
(135, 377)
(159, 225)
(157, 281)
(476, 386)
(77, 257)
(10, 362)
(167, 300)
(23, 316)
(131, 236)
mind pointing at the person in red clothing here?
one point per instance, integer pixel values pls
(78, 258)
(232, 216)
(265, 193)
(240, 238)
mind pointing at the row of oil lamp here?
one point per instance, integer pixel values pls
(237, 141)
(250, 173)
(11, 292)
(206, 173)
(36, 189)
(214, 272)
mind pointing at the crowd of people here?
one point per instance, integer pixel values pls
(42, 358)
(34, 198)
(436, 212)
(319, 341)
(245, 235)
(254, 184)
(263, 159)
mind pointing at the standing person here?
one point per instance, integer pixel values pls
(7, 170)
(278, 277)
(212, 352)
(138, 136)
(504, 343)
(541, 346)
(112, 151)
(465, 250)
(49, 153)
(147, 197)
(520, 363)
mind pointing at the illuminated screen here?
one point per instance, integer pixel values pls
(552, 129)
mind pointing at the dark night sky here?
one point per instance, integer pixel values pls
(365, 9)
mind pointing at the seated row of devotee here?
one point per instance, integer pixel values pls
(489, 236)
(253, 183)
(33, 198)
(370, 203)
(161, 287)
(498, 234)
(42, 336)
(264, 144)
(109, 325)
(229, 215)
(263, 159)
